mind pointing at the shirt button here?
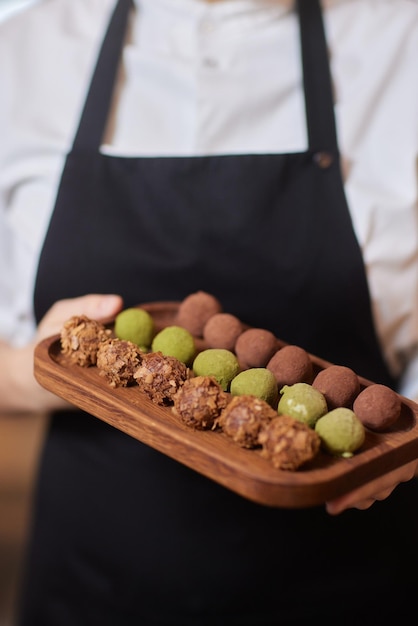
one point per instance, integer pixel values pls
(210, 62)
(207, 26)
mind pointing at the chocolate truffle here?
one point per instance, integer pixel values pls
(117, 360)
(290, 365)
(255, 347)
(195, 310)
(378, 407)
(341, 432)
(199, 401)
(136, 325)
(80, 339)
(339, 384)
(222, 331)
(256, 381)
(243, 419)
(221, 364)
(303, 402)
(175, 341)
(160, 376)
(288, 443)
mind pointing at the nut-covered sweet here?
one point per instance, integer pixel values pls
(288, 443)
(80, 339)
(199, 401)
(243, 419)
(160, 376)
(117, 360)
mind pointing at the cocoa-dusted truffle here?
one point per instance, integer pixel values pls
(195, 310)
(339, 384)
(80, 339)
(288, 443)
(160, 376)
(378, 407)
(117, 360)
(222, 331)
(199, 401)
(290, 365)
(243, 419)
(255, 347)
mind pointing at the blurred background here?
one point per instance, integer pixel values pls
(20, 440)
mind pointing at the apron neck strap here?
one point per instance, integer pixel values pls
(316, 78)
(97, 105)
(319, 101)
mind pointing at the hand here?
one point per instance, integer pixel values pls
(95, 306)
(378, 489)
(19, 390)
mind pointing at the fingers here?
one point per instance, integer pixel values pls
(95, 306)
(380, 489)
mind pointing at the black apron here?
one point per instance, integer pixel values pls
(123, 535)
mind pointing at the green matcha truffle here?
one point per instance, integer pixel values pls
(256, 381)
(217, 362)
(302, 402)
(341, 432)
(135, 325)
(175, 341)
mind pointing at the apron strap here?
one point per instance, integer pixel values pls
(319, 101)
(96, 108)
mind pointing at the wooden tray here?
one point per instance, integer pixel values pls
(212, 453)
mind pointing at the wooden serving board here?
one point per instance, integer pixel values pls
(212, 453)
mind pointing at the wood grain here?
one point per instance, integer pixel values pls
(212, 453)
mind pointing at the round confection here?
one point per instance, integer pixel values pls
(303, 402)
(341, 432)
(195, 310)
(199, 401)
(288, 443)
(378, 407)
(339, 384)
(222, 331)
(243, 419)
(117, 360)
(160, 376)
(290, 365)
(136, 325)
(255, 347)
(175, 341)
(217, 362)
(80, 338)
(256, 381)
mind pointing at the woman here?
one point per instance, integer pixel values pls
(209, 159)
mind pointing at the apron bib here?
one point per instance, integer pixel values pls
(123, 535)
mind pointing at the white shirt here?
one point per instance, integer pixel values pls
(222, 77)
